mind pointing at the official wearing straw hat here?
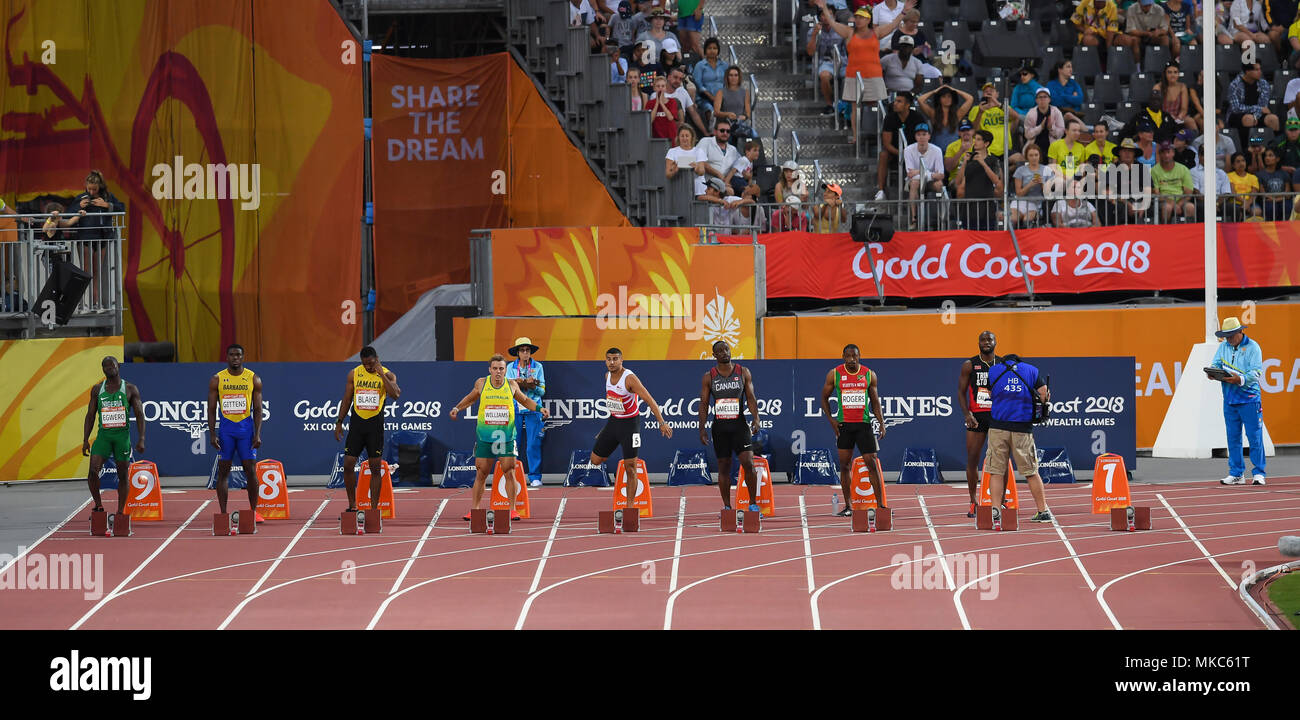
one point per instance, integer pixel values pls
(1238, 364)
(528, 373)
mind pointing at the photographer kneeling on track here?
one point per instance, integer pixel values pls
(1020, 399)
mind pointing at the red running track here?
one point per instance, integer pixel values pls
(805, 570)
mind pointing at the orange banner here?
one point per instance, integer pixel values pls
(229, 131)
(1159, 338)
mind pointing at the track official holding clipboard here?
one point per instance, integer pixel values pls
(1237, 364)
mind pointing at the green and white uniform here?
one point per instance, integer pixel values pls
(114, 438)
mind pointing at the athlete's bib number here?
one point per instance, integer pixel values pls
(367, 399)
(854, 399)
(496, 415)
(982, 398)
(636, 439)
(615, 406)
(727, 408)
(113, 416)
(234, 404)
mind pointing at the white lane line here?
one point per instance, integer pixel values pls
(938, 549)
(807, 556)
(284, 553)
(104, 600)
(418, 546)
(1101, 593)
(677, 544)
(546, 550)
(42, 538)
(1070, 548)
(1198, 544)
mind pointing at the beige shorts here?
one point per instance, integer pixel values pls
(1018, 445)
(873, 89)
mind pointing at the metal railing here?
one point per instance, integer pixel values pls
(835, 82)
(29, 256)
(776, 131)
(817, 175)
(713, 27)
(734, 62)
(794, 37)
(794, 146)
(813, 216)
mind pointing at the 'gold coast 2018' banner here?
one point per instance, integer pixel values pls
(653, 292)
(232, 133)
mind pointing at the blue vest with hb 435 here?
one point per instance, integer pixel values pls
(1013, 399)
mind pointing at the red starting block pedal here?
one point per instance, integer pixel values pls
(478, 521)
(1130, 518)
(98, 523)
(221, 524)
(618, 521)
(119, 524)
(244, 522)
(740, 521)
(374, 523)
(872, 519)
(348, 522)
(1006, 520)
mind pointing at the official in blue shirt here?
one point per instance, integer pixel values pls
(1013, 384)
(1242, 359)
(531, 379)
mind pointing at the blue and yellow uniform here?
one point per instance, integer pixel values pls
(495, 436)
(235, 395)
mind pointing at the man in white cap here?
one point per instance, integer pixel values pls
(1240, 363)
(527, 373)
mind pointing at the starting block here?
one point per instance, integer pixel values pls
(245, 522)
(984, 519)
(98, 523)
(374, 523)
(618, 521)
(119, 524)
(872, 519)
(740, 521)
(348, 523)
(489, 522)
(1130, 518)
(221, 524)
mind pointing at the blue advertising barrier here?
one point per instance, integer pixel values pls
(1092, 413)
(108, 475)
(1054, 465)
(459, 470)
(424, 460)
(582, 474)
(336, 472)
(920, 467)
(816, 466)
(690, 467)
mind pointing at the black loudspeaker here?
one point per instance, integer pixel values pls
(871, 227)
(65, 287)
(1006, 50)
(443, 335)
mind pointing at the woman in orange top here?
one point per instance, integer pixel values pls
(863, 43)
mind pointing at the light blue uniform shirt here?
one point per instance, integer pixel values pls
(533, 370)
(1246, 360)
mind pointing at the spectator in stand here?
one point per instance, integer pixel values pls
(988, 115)
(1122, 210)
(1244, 186)
(1043, 124)
(638, 98)
(830, 216)
(1148, 24)
(741, 173)
(733, 103)
(821, 46)
(1255, 154)
(1274, 182)
(1293, 38)
(1222, 22)
(720, 155)
(1176, 97)
(898, 131)
(690, 20)
(1030, 179)
(647, 67)
(617, 65)
(1066, 92)
(96, 201)
(581, 14)
(723, 205)
(1222, 186)
(1172, 182)
(1097, 23)
(1025, 93)
(902, 71)
(1146, 144)
(1288, 147)
(709, 74)
(679, 92)
(1249, 22)
(910, 25)
(943, 112)
(54, 225)
(1184, 154)
(1183, 25)
(751, 209)
(1068, 152)
(958, 149)
(790, 216)
(791, 183)
(979, 176)
(1248, 96)
(686, 155)
(623, 29)
(1100, 146)
(671, 54)
(665, 113)
(1162, 124)
(889, 12)
(923, 164)
(863, 43)
(1073, 212)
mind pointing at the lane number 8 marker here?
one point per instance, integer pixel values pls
(270, 486)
